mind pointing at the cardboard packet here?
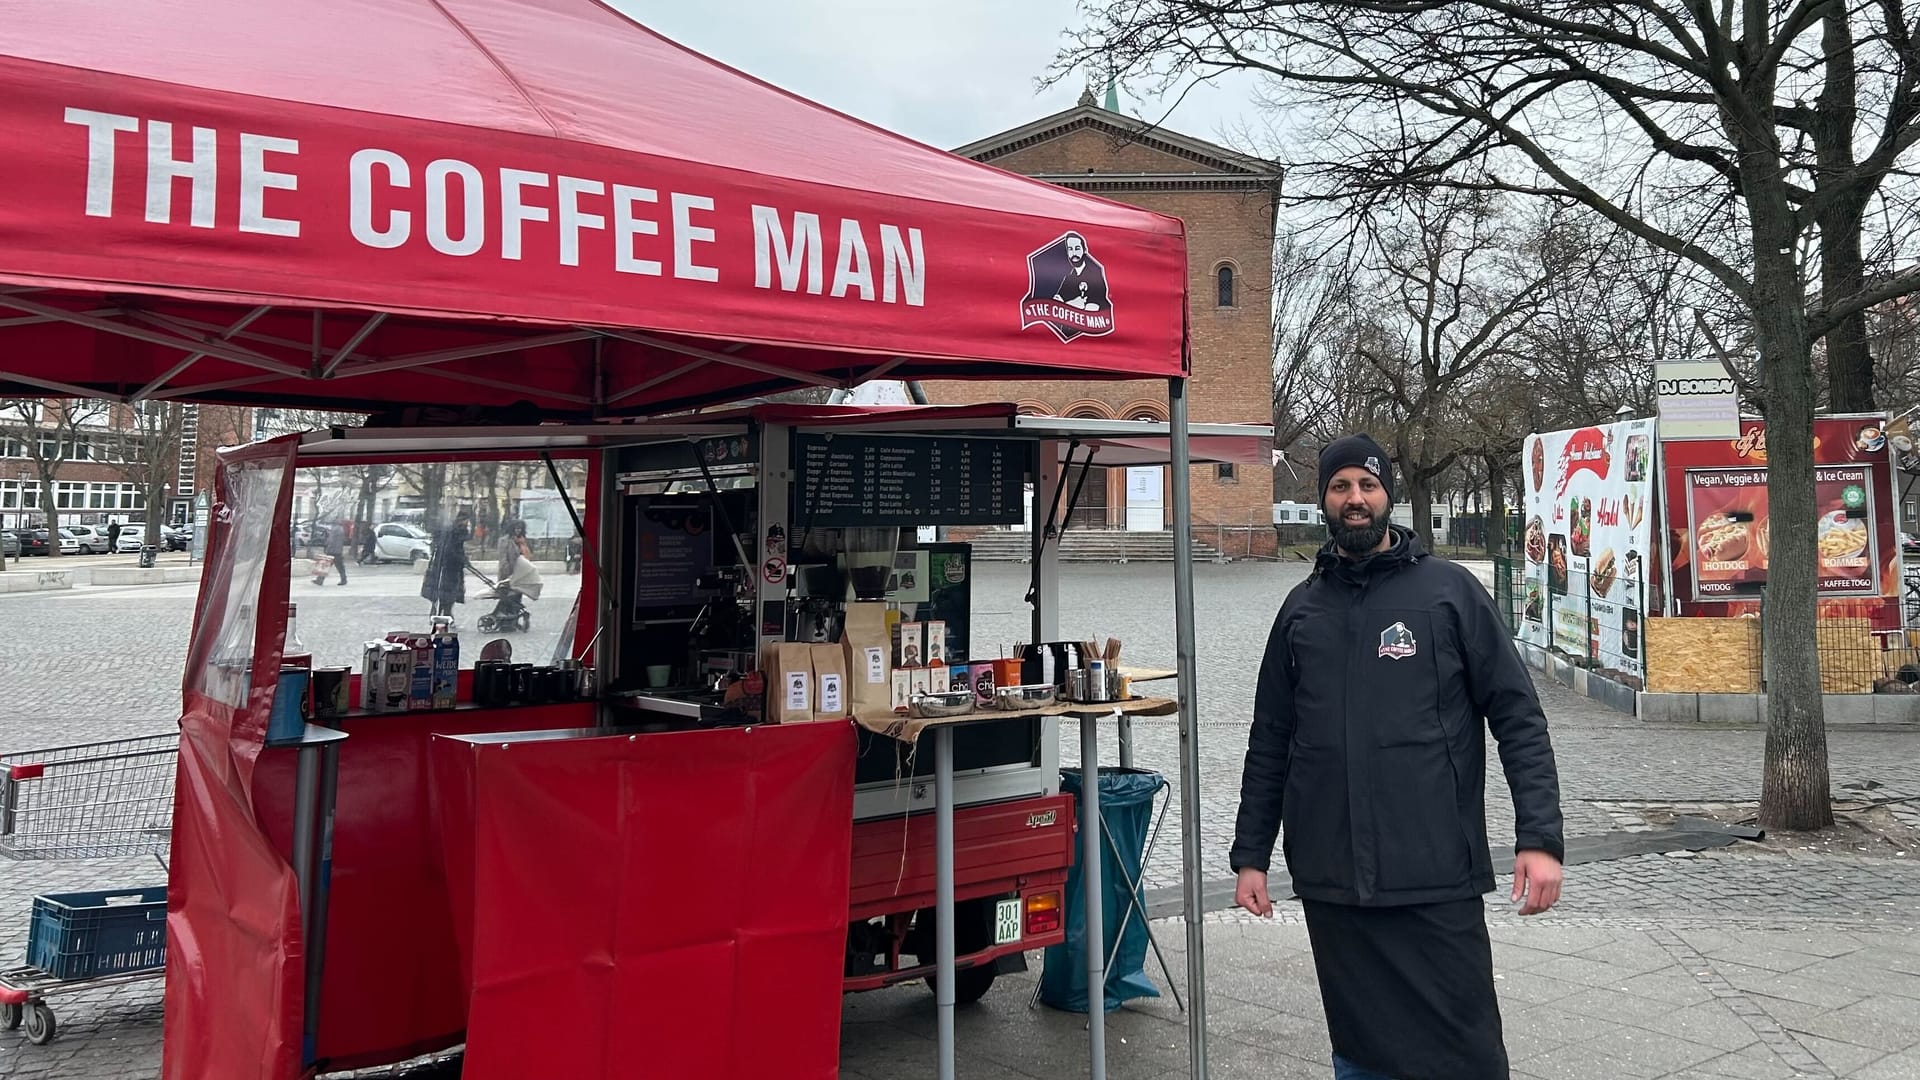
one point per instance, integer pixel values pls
(789, 671)
(901, 698)
(829, 683)
(909, 645)
(936, 641)
(864, 647)
(939, 678)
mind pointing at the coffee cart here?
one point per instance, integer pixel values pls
(722, 533)
(521, 231)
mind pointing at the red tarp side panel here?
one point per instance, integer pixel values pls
(390, 988)
(727, 968)
(209, 156)
(234, 952)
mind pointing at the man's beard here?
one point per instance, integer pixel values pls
(1359, 539)
(1077, 260)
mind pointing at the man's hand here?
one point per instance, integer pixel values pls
(1536, 876)
(1250, 892)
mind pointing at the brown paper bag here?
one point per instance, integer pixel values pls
(865, 644)
(830, 697)
(789, 671)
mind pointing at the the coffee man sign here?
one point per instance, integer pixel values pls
(1697, 400)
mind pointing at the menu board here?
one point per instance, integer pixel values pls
(1719, 525)
(1728, 520)
(886, 480)
(1588, 541)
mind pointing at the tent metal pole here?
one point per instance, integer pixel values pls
(1187, 659)
(944, 994)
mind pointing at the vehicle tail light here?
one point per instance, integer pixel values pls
(1043, 913)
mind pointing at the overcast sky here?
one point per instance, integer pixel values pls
(945, 74)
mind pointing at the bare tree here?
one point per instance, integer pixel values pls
(1753, 140)
(1454, 297)
(1313, 320)
(50, 429)
(146, 453)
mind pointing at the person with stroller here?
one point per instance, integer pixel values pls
(446, 582)
(515, 579)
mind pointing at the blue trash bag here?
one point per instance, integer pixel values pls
(1126, 806)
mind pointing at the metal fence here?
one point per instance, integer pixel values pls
(1910, 591)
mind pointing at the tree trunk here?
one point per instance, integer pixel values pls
(1843, 273)
(1795, 792)
(155, 510)
(1842, 267)
(52, 511)
(1420, 504)
(1496, 519)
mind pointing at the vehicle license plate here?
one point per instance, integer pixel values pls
(1006, 921)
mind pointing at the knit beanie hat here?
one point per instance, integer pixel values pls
(1358, 450)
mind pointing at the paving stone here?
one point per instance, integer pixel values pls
(1751, 916)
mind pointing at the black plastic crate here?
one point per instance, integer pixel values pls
(84, 935)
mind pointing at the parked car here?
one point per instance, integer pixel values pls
(69, 541)
(32, 541)
(180, 539)
(88, 540)
(133, 537)
(9, 544)
(1909, 543)
(394, 542)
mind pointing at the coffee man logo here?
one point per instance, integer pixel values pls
(1396, 642)
(1067, 290)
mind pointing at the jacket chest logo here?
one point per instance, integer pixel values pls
(1396, 642)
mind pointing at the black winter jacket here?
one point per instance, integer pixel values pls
(1367, 734)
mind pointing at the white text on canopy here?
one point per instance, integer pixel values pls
(457, 209)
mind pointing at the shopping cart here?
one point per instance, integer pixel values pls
(91, 801)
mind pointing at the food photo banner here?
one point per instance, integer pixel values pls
(1719, 527)
(1589, 528)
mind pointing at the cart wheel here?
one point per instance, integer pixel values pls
(40, 1026)
(10, 1016)
(526, 621)
(488, 624)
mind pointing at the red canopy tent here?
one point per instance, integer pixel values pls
(464, 206)
(473, 202)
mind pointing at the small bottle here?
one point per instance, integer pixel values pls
(294, 652)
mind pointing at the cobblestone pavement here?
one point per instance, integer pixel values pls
(56, 687)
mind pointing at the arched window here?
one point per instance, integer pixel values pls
(1225, 276)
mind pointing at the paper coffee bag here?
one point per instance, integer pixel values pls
(865, 643)
(830, 700)
(789, 672)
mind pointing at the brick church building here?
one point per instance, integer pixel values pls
(1228, 202)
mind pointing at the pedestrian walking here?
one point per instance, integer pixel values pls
(1367, 743)
(113, 537)
(336, 548)
(446, 579)
(367, 541)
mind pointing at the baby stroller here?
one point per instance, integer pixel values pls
(509, 608)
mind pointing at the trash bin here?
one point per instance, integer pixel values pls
(147, 553)
(1126, 808)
